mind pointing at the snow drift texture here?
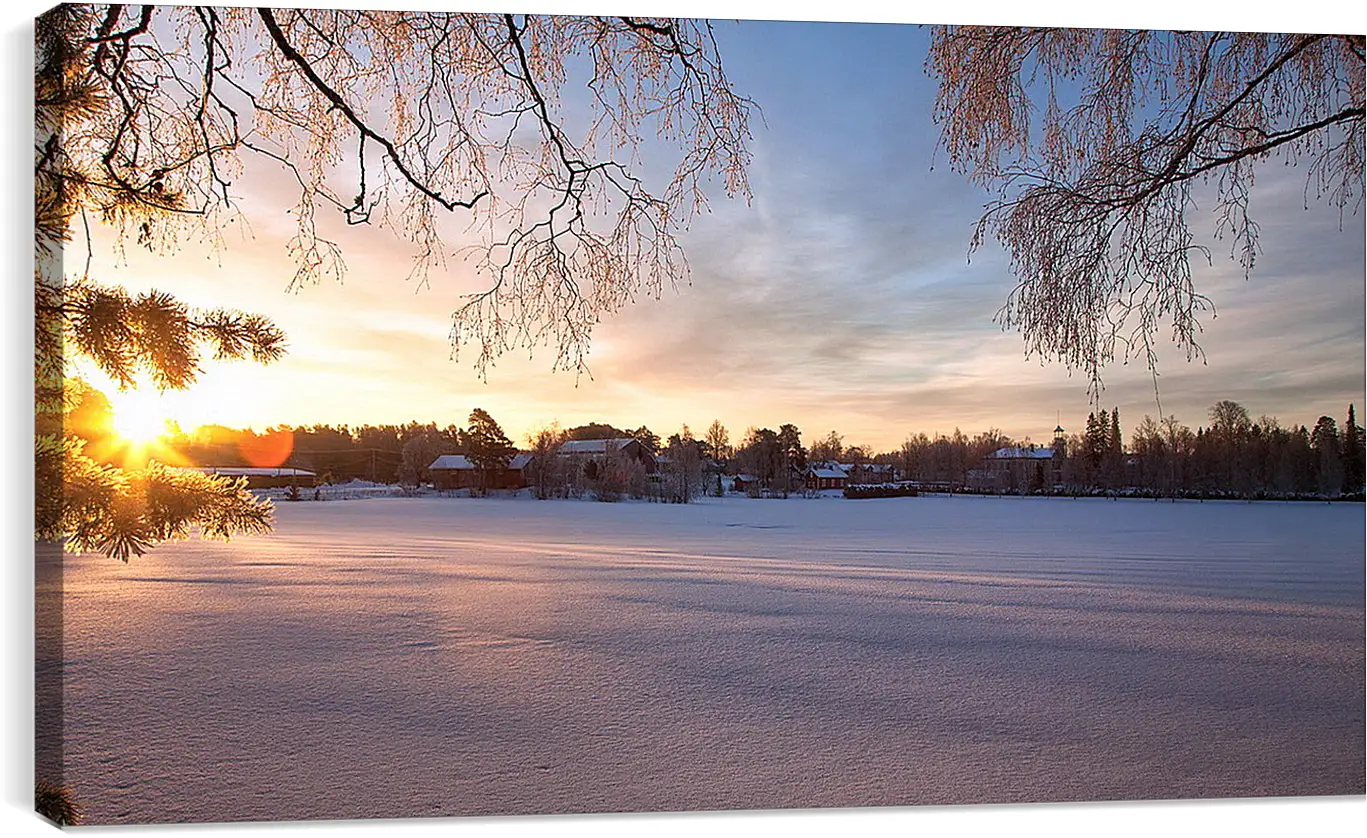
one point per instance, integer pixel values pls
(412, 657)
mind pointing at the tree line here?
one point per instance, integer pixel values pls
(1236, 456)
(1233, 455)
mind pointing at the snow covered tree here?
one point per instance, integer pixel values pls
(683, 471)
(422, 122)
(1094, 202)
(105, 507)
(147, 116)
(93, 505)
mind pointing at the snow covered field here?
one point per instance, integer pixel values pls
(434, 656)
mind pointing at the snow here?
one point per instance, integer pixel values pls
(351, 490)
(459, 462)
(234, 471)
(1022, 453)
(453, 462)
(836, 473)
(435, 656)
(593, 446)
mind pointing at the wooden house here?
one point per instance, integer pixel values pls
(456, 471)
(826, 475)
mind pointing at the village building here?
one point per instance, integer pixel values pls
(264, 478)
(743, 482)
(1024, 468)
(826, 475)
(456, 471)
(871, 472)
(592, 454)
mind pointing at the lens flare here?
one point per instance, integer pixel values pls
(139, 415)
(269, 450)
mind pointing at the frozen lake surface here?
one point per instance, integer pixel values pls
(440, 656)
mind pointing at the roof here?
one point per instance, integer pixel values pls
(1030, 453)
(234, 471)
(460, 462)
(451, 462)
(828, 469)
(594, 446)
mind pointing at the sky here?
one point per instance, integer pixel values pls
(841, 297)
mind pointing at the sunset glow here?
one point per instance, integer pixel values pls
(139, 415)
(867, 318)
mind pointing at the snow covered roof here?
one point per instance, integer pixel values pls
(234, 471)
(828, 473)
(460, 462)
(451, 462)
(1030, 453)
(829, 469)
(594, 446)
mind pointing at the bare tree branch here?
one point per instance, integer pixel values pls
(1093, 204)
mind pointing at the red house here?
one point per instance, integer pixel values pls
(456, 471)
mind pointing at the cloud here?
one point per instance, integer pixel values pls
(861, 311)
(841, 297)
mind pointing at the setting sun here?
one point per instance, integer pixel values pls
(139, 415)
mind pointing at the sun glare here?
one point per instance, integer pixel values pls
(139, 415)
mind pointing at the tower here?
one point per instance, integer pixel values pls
(1060, 451)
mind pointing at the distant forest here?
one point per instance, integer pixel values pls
(1234, 456)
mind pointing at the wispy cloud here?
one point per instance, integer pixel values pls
(841, 297)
